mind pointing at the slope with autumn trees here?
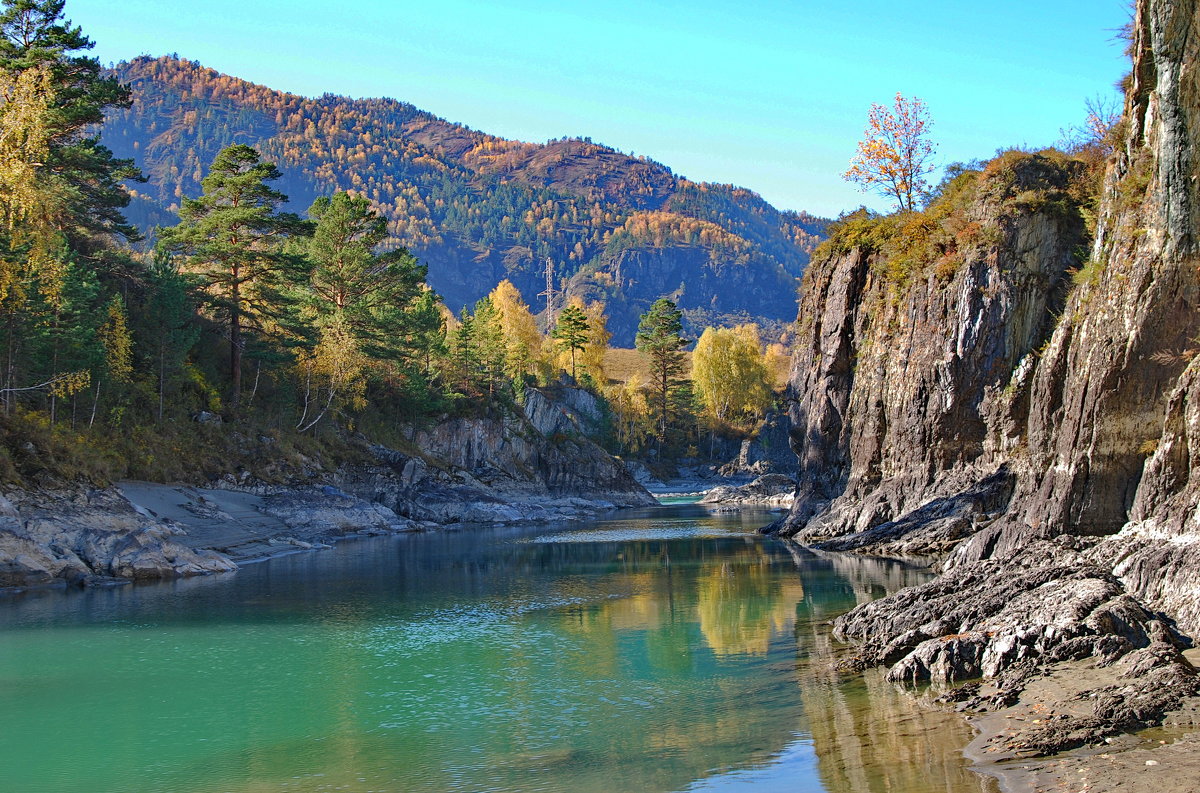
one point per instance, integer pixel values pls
(478, 209)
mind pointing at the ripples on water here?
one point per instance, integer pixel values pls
(668, 650)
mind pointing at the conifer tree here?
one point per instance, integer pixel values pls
(518, 330)
(34, 35)
(428, 333)
(599, 337)
(232, 236)
(659, 339)
(571, 333)
(167, 319)
(360, 301)
(490, 344)
(464, 354)
(369, 291)
(117, 363)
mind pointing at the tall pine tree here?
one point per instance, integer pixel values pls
(659, 339)
(233, 237)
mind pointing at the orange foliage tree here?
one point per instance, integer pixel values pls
(895, 154)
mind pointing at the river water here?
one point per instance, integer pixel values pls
(668, 650)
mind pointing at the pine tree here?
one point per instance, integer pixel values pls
(571, 333)
(33, 35)
(659, 339)
(167, 319)
(370, 292)
(360, 301)
(233, 237)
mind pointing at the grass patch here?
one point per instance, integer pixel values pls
(621, 364)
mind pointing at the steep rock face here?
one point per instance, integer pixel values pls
(895, 377)
(1056, 478)
(710, 286)
(1105, 383)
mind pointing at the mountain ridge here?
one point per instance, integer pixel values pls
(475, 207)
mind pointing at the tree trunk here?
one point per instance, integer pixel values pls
(95, 404)
(162, 375)
(235, 344)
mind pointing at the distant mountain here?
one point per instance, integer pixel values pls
(476, 208)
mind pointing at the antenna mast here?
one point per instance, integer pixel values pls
(549, 295)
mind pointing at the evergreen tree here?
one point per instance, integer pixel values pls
(428, 332)
(371, 293)
(34, 35)
(490, 344)
(571, 333)
(233, 236)
(464, 354)
(360, 301)
(659, 339)
(168, 322)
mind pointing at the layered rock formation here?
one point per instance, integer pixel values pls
(1024, 412)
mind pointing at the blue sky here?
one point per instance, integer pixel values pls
(767, 94)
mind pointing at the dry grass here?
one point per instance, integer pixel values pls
(622, 364)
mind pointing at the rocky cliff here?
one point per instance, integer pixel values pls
(535, 464)
(902, 389)
(981, 384)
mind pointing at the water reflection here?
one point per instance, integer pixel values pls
(667, 651)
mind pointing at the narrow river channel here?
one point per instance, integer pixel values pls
(666, 650)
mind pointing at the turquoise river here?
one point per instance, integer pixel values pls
(664, 650)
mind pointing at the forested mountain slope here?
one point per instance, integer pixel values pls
(477, 209)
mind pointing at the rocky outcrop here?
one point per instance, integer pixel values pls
(543, 452)
(1047, 603)
(91, 537)
(898, 370)
(767, 452)
(536, 465)
(1036, 432)
(769, 490)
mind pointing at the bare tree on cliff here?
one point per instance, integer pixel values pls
(895, 154)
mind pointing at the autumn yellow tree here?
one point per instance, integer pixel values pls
(895, 154)
(779, 363)
(28, 200)
(730, 373)
(633, 420)
(518, 328)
